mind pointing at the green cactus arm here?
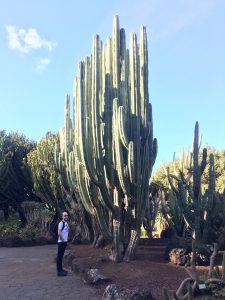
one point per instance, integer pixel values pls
(131, 162)
(143, 74)
(83, 188)
(121, 125)
(116, 52)
(101, 220)
(119, 151)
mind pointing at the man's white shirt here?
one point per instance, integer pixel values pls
(64, 232)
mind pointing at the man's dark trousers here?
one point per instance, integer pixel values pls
(61, 250)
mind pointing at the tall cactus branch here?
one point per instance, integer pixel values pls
(113, 145)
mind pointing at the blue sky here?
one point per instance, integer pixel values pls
(186, 53)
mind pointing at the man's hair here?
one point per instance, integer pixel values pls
(64, 212)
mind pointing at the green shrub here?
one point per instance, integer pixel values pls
(143, 232)
(30, 231)
(8, 230)
(12, 220)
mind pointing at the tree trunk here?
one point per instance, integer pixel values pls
(22, 218)
(132, 245)
(96, 241)
(6, 212)
(117, 245)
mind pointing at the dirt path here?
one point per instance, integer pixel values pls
(150, 271)
(30, 274)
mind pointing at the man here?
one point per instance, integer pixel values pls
(63, 231)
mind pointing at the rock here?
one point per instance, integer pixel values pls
(68, 258)
(114, 292)
(180, 243)
(92, 276)
(179, 250)
(89, 276)
(76, 267)
(179, 256)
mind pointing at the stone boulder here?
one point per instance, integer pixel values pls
(179, 250)
(114, 292)
(68, 258)
(76, 267)
(89, 276)
(93, 276)
(179, 256)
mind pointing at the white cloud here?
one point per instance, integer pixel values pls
(43, 63)
(187, 14)
(24, 41)
(177, 25)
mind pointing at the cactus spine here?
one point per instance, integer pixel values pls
(113, 147)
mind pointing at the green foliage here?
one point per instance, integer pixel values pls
(51, 185)
(8, 230)
(219, 169)
(151, 211)
(143, 232)
(30, 231)
(15, 178)
(183, 198)
(46, 178)
(31, 209)
(171, 211)
(38, 216)
(160, 180)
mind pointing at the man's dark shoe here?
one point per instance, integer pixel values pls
(64, 271)
(61, 273)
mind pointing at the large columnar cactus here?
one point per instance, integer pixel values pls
(112, 150)
(197, 206)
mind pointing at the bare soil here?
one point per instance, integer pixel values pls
(149, 271)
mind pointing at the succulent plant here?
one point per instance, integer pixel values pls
(109, 148)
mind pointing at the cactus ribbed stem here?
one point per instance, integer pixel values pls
(113, 147)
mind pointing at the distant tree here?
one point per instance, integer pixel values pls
(15, 177)
(51, 185)
(45, 175)
(160, 180)
(219, 165)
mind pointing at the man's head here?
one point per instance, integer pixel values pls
(65, 216)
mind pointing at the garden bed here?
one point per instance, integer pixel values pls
(13, 235)
(150, 270)
(16, 241)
